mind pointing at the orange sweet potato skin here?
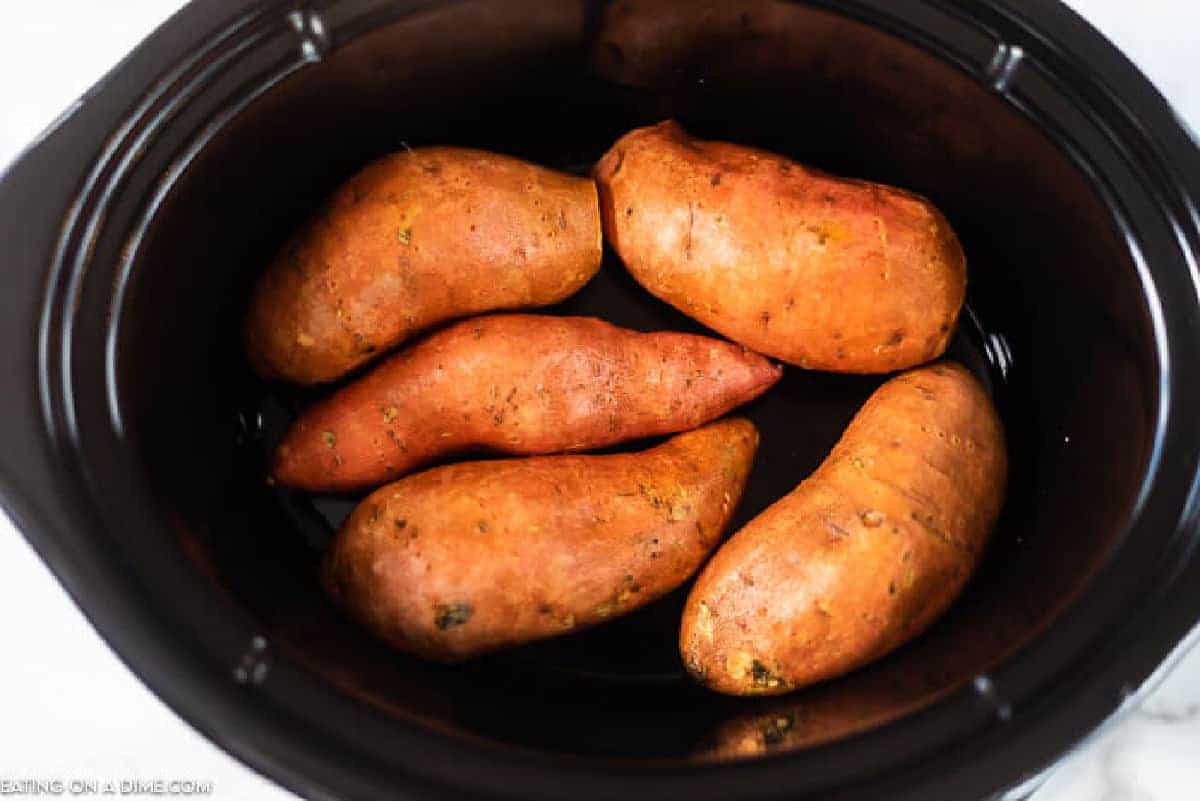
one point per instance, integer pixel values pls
(519, 384)
(472, 557)
(864, 554)
(822, 272)
(417, 238)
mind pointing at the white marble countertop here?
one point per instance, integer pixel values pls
(69, 708)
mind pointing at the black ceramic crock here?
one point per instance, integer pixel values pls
(133, 432)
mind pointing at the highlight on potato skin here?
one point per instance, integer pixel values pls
(518, 384)
(822, 272)
(418, 238)
(476, 556)
(864, 554)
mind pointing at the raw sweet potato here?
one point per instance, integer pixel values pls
(476, 556)
(822, 272)
(417, 238)
(863, 555)
(520, 384)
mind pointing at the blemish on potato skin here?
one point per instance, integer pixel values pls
(361, 344)
(329, 438)
(704, 621)
(762, 678)
(872, 518)
(697, 670)
(452, 615)
(687, 248)
(836, 531)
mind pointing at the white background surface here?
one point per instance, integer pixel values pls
(69, 708)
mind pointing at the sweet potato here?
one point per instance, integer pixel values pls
(822, 272)
(659, 44)
(476, 556)
(420, 237)
(520, 384)
(863, 555)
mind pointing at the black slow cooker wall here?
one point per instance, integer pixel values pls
(1064, 338)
